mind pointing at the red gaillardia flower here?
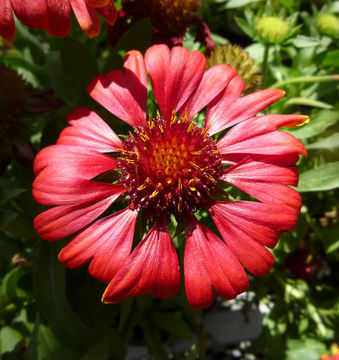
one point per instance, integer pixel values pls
(55, 15)
(171, 167)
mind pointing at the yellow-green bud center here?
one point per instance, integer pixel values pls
(328, 24)
(271, 29)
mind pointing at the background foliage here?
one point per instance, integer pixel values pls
(48, 312)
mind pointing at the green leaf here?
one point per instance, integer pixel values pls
(172, 323)
(126, 312)
(70, 92)
(317, 124)
(331, 58)
(9, 338)
(333, 7)
(301, 41)
(234, 4)
(117, 346)
(99, 351)
(330, 143)
(245, 26)
(51, 349)
(309, 349)
(6, 245)
(137, 37)
(9, 190)
(49, 282)
(218, 39)
(6, 216)
(331, 240)
(322, 178)
(78, 61)
(9, 193)
(32, 352)
(20, 63)
(9, 287)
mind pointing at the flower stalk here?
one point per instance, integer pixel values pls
(305, 79)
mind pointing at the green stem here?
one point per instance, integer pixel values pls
(202, 336)
(264, 64)
(306, 79)
(308, 102)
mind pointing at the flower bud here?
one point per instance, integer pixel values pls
(272, 29)
(328, 24)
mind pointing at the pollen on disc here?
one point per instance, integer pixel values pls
(170, 167)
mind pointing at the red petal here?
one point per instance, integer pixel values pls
(51, 188)
(59, 17)
(208, 261)
(215, 120)
(75, 161)
(197, 279)
(248, 226)
(152, 268)
(174, 76)
(124, 94)
(244, 108)
(267, 216)
(31, 13)
(265, 182)
(245, 226)
(108, 12)
(108, 241)
(97, 3)
(7, 25)
(62, 221)
(276, 143)
(260, 125)
(260, 171)
(212, 83)
(89, 131)
(259, 136)
(87, 17)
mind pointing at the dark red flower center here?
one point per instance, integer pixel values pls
(170, 167)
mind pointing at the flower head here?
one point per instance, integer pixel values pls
(55, 16)
(240, 60)
(170, 167)
(272, 29)
(328, 24)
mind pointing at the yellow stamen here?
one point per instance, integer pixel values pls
(195, 165)
(151, 124)
(190, 127)
(144, 137)
(155, 193)
(179, 184)
(142, 187)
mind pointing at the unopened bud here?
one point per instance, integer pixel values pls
(272, 29)
(328, 24)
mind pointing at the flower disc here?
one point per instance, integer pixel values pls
(170, 166)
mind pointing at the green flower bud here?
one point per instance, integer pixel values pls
(240, 60)
(272, 29)
(328, 24)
